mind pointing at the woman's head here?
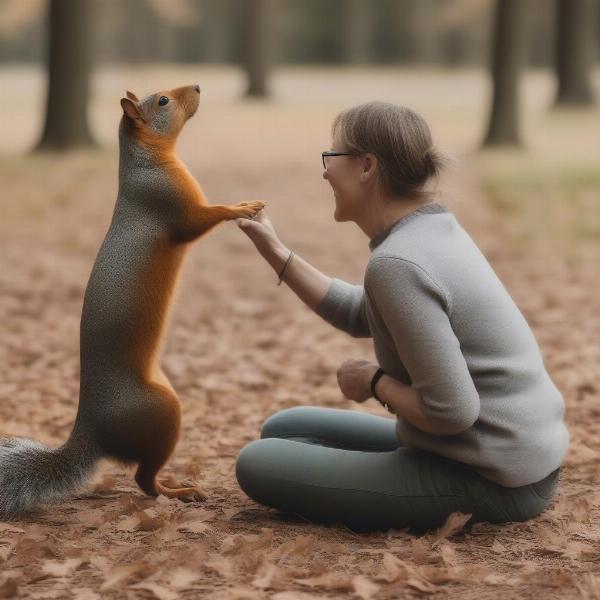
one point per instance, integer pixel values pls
(396, 148)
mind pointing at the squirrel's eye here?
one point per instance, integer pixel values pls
(163, 100)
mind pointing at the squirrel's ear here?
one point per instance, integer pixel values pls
(132, 96)
(130, 109)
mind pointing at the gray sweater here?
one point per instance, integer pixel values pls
(442, 322)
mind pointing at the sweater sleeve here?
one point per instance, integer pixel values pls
(415, 310)
(344, 307)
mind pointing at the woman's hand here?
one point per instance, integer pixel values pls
(354, 378)
(308, 283)
(262, 233)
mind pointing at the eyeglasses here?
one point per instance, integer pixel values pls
(333, 153)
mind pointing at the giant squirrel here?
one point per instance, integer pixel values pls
(128, 410)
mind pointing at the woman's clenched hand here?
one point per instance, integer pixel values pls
(354, 378)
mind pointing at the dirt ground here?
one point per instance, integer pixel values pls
(240, 348)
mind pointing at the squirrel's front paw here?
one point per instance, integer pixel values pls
(249, 209)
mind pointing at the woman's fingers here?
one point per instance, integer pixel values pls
(260, 222)
(255, 231)
(258, 217)
(261, 217)
(259, 230)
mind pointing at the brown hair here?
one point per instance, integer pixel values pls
(399, 138)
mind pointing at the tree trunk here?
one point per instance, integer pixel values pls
(419, 31)
(217, 31)
(508, 53)
(66, 125)
(358, 32)
(574, 52)
(257, 45)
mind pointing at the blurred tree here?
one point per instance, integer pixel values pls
(510, 31)
(464, 31)
(166, 21)
(66, 123)
(574, 52)
(157, 34)
(306, 32)
(358, 31)
(216, 31)
(541, 35)
(257, 44)
(415, 27)
(137, 43)
(421, 30)
(21, 26)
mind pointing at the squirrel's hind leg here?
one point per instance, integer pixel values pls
(164, 426)
(146, 479)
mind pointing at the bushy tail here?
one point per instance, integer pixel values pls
(32, 474)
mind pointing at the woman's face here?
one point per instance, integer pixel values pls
(343, 174)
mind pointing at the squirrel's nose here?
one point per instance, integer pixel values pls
(197, 88)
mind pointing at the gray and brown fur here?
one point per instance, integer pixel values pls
(128, 410)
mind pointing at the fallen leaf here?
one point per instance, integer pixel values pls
(392, 569)
(495, 579)
(364, 588)
(295, 596)
(421, 552)
(149, 520)
(57, 568)
(119, 574)
(159, 591)
(265, 576)
(128, 523)
(182, 578)
(329, 581)
(92, 519)
(85, 593)
(194, 527)
(4, 527)
(230, 513)
(454, 524)
(421, 585)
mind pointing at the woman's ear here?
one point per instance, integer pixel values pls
(369, 164)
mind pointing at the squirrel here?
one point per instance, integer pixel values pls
(128, 409)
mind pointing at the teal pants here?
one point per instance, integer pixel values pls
(341, 466)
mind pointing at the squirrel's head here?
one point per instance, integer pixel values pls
(161, 115)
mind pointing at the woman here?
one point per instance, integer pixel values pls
(479, 424)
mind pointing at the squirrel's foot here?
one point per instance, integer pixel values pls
(185, 493)
(248, 209)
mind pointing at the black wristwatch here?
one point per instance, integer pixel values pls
(376, 377)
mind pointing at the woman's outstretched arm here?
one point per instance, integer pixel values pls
(338, 302)
(308, 283)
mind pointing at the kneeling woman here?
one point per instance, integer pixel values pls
(479, 424)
